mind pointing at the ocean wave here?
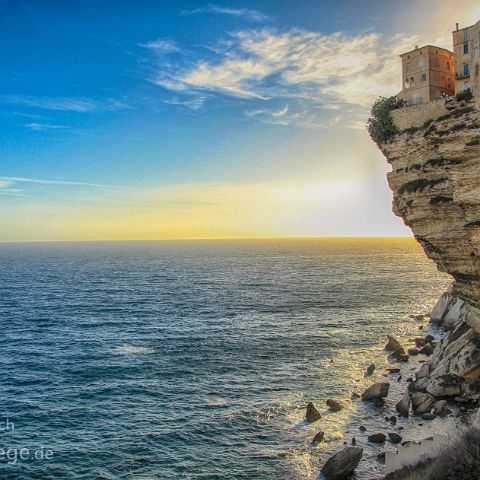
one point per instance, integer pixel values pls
(127, 349)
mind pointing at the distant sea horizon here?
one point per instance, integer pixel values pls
(204, 239)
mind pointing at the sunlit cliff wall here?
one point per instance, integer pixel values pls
(435, 179)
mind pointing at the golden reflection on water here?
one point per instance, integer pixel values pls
(306, 463)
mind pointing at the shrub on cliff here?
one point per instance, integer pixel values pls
(380, 125)
(465, 95)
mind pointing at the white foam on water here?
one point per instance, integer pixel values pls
(127, 349)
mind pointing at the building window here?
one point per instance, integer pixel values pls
(416, 99)
(466, 69)
(421, 63)
(424, 77)
(465, 35)
(465, 48)
(448, 65)
(412, 82)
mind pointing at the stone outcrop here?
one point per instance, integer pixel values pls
(435, 180)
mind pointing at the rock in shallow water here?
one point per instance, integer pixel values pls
(376, 391)
(398, 352)
(334, 405)
(319, 436)
(426, 350)
(422, 403)
(312, 414)
(392, 344)
(377, 438)
(394, 437)
(371, 369)
(403, 406)
(341, 465)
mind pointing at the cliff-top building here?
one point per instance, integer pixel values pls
(427, 74)
(462, 50)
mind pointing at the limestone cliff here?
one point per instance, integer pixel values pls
(435, 180)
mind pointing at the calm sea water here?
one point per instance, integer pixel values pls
(165, 360)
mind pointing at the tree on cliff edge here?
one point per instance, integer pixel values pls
(380, 125)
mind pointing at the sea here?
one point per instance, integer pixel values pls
(195, 359)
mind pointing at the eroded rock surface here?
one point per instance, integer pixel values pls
(435, 180)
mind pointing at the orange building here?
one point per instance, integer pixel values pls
(427, 74)
(462, 49)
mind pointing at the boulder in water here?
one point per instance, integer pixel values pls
(376, 391)
(392, 344)
(341, 465)
(334, 405)
(319, 436)
(394, 437)
(312, 414)
(377, 438)
(403, 406)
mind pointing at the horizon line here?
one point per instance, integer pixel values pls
(203, 239)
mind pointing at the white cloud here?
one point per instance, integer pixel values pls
(246, 13)
(318, 71)
(43, 127)
(193, 102)
(287, 117)
(12, 180)
(161, 46)
(63, 104)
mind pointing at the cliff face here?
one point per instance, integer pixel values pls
(435, 179)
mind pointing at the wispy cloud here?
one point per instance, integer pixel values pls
(7, 181)
(319, 72)
(63, 104)
(161, 45)
(193, 103)
(43, 127)
(246, 13)
(288, 117)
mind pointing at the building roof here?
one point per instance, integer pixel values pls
(426, 46)
(464, 28)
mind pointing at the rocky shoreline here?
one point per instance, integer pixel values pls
(427, 392)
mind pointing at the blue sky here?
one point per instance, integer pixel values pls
(191, 119)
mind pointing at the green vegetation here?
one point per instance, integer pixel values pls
(380, 125)
(465, 95)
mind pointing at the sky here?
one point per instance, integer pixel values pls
(182, 119)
